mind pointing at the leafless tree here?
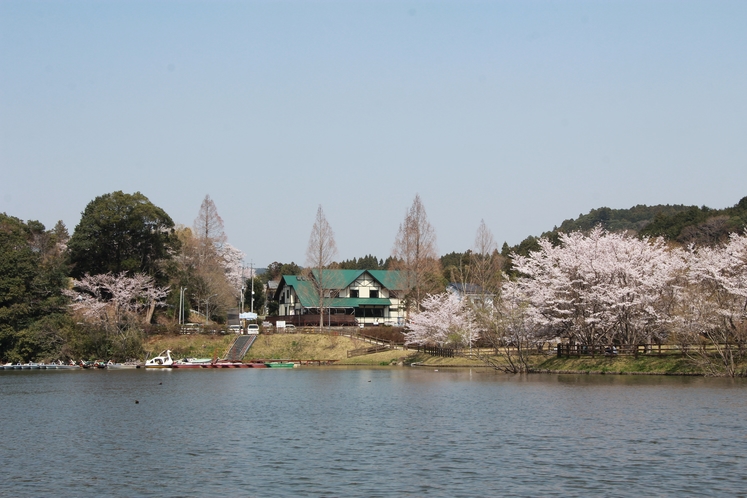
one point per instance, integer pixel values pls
(212, 266)
(482, 276)
(320, 253)
(414, 253)
(208, 228)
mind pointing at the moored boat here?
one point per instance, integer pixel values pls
(163, 360)
(192, 363)
(122, 366)
(280, 364)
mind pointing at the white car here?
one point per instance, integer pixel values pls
(236, 329)
(252, 328)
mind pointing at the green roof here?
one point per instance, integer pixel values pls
(340, 279)
(391, 279)
(305, 290)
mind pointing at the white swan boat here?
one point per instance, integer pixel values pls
(163, 360)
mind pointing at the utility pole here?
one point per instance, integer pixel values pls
(251, 276)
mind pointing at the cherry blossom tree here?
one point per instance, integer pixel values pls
(512, 326)
(601, 287)
(444, 319)
(117, 303)
(712, 311)
(232, 261)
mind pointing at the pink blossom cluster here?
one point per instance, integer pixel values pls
(445, 319)
(112, 300)
(604, 288)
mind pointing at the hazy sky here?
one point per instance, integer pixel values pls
(521, 113)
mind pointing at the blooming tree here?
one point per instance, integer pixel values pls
(601, 287)
(712, 311)
(511, 325)
(116, 303)
(444, 319)
(111, 298)
(232, 261)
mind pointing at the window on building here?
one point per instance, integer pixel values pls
(373, 293)
(353, 292)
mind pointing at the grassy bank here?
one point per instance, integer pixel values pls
(329, 347)
(275, 347)
(182, 346)
(665, 365)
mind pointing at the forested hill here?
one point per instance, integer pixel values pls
(618, 220)
(679, 223)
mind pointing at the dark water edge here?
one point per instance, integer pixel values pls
(369, 432)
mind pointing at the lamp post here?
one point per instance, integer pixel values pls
(207, 309)
(182, 295)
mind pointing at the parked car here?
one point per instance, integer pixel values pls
(252, 328)
(236, 329)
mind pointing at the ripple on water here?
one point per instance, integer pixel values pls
(330, 432)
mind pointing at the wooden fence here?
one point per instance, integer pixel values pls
(436, 351)
(626, 350)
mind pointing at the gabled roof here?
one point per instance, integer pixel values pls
(338, 280)
(391, 279)
(305, 290)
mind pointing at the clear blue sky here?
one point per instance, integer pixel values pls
(521, 113)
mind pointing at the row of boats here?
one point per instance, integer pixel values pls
(40, 366)
(163, 360)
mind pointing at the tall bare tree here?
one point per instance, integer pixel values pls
(320, 254)
(208, 228)
(486, 263)
(414, 253)
(212, 261)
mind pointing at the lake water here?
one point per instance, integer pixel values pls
(369, 432)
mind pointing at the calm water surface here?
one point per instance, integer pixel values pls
(369, 432)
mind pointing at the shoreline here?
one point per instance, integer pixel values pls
(316, 347)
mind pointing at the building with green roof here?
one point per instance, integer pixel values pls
(362, 297)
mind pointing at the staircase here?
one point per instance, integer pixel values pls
(240, 346)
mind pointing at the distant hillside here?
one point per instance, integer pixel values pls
(678, 223)
(618, 220)
(701, 226)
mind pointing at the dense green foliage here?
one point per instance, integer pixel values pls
(276, 270)
(619, 220)
(677, 223)
(701, 226)
(122, 232)
(32, 276)
(368, 262)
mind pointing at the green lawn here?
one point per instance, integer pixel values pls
(331, 347)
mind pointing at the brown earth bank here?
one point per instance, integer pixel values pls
(326, 347)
